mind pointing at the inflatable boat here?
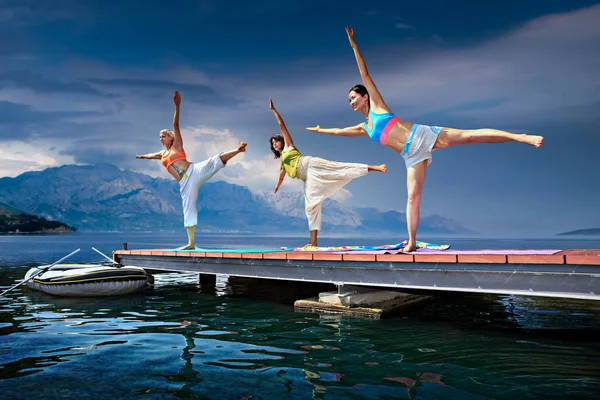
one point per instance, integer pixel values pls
(79, 280)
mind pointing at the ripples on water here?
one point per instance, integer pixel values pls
(243, 340)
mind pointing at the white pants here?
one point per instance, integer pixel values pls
(193, 178)
(322, 179)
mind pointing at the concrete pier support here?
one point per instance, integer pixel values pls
(361, 302)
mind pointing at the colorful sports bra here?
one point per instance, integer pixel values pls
(382, 125)
(171, 156)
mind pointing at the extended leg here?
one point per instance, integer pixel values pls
(379, 168)
(232, 153)
(454, 137)
(415, 177)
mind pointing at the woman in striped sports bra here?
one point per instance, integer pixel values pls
(414, 142)
(189, 175)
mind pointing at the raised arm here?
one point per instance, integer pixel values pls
(287, 138)
(374, 95)
(280, 181)
(151, 156)
(354, 131)
(178, 139)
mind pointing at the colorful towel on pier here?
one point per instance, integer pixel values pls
(385, 247)
(344, 248)
(429, 246)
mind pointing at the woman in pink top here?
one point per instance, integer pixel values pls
(189, 175)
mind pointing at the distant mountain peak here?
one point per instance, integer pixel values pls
(102, 197)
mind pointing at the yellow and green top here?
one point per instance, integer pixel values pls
(289, 161)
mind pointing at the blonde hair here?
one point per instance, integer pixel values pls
(168, 132)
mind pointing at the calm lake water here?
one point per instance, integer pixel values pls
(244, 340)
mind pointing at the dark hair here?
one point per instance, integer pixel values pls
(360, 89)
(279, 138)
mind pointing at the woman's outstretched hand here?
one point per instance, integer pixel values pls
(314, 129)
(177, 98)
(271, 106)
(140, 157)
(350, 32)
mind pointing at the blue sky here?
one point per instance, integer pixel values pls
(92, 81)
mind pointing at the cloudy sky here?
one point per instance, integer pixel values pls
(88, 81)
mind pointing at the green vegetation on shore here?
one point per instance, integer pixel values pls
(16, 221)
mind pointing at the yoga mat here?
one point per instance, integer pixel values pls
(461, 252)
(345, 248)
(384, 249)
(200, 249)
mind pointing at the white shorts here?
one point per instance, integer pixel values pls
(194, 177)
(419, 144)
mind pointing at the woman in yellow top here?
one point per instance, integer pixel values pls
(189, 175)
(413, 141)
(322, 178)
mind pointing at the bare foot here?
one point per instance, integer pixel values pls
(379, 168)
(242, 147)
(189, 247)
(307, 246)
(409, 247)
(532, 140)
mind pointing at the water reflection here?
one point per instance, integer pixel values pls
(244, 341)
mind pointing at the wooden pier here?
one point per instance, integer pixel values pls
(566, 274)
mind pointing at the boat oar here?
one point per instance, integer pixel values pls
(39, 273)
(105, 256)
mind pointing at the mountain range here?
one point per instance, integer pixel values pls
(582, 232)
(103, 197)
